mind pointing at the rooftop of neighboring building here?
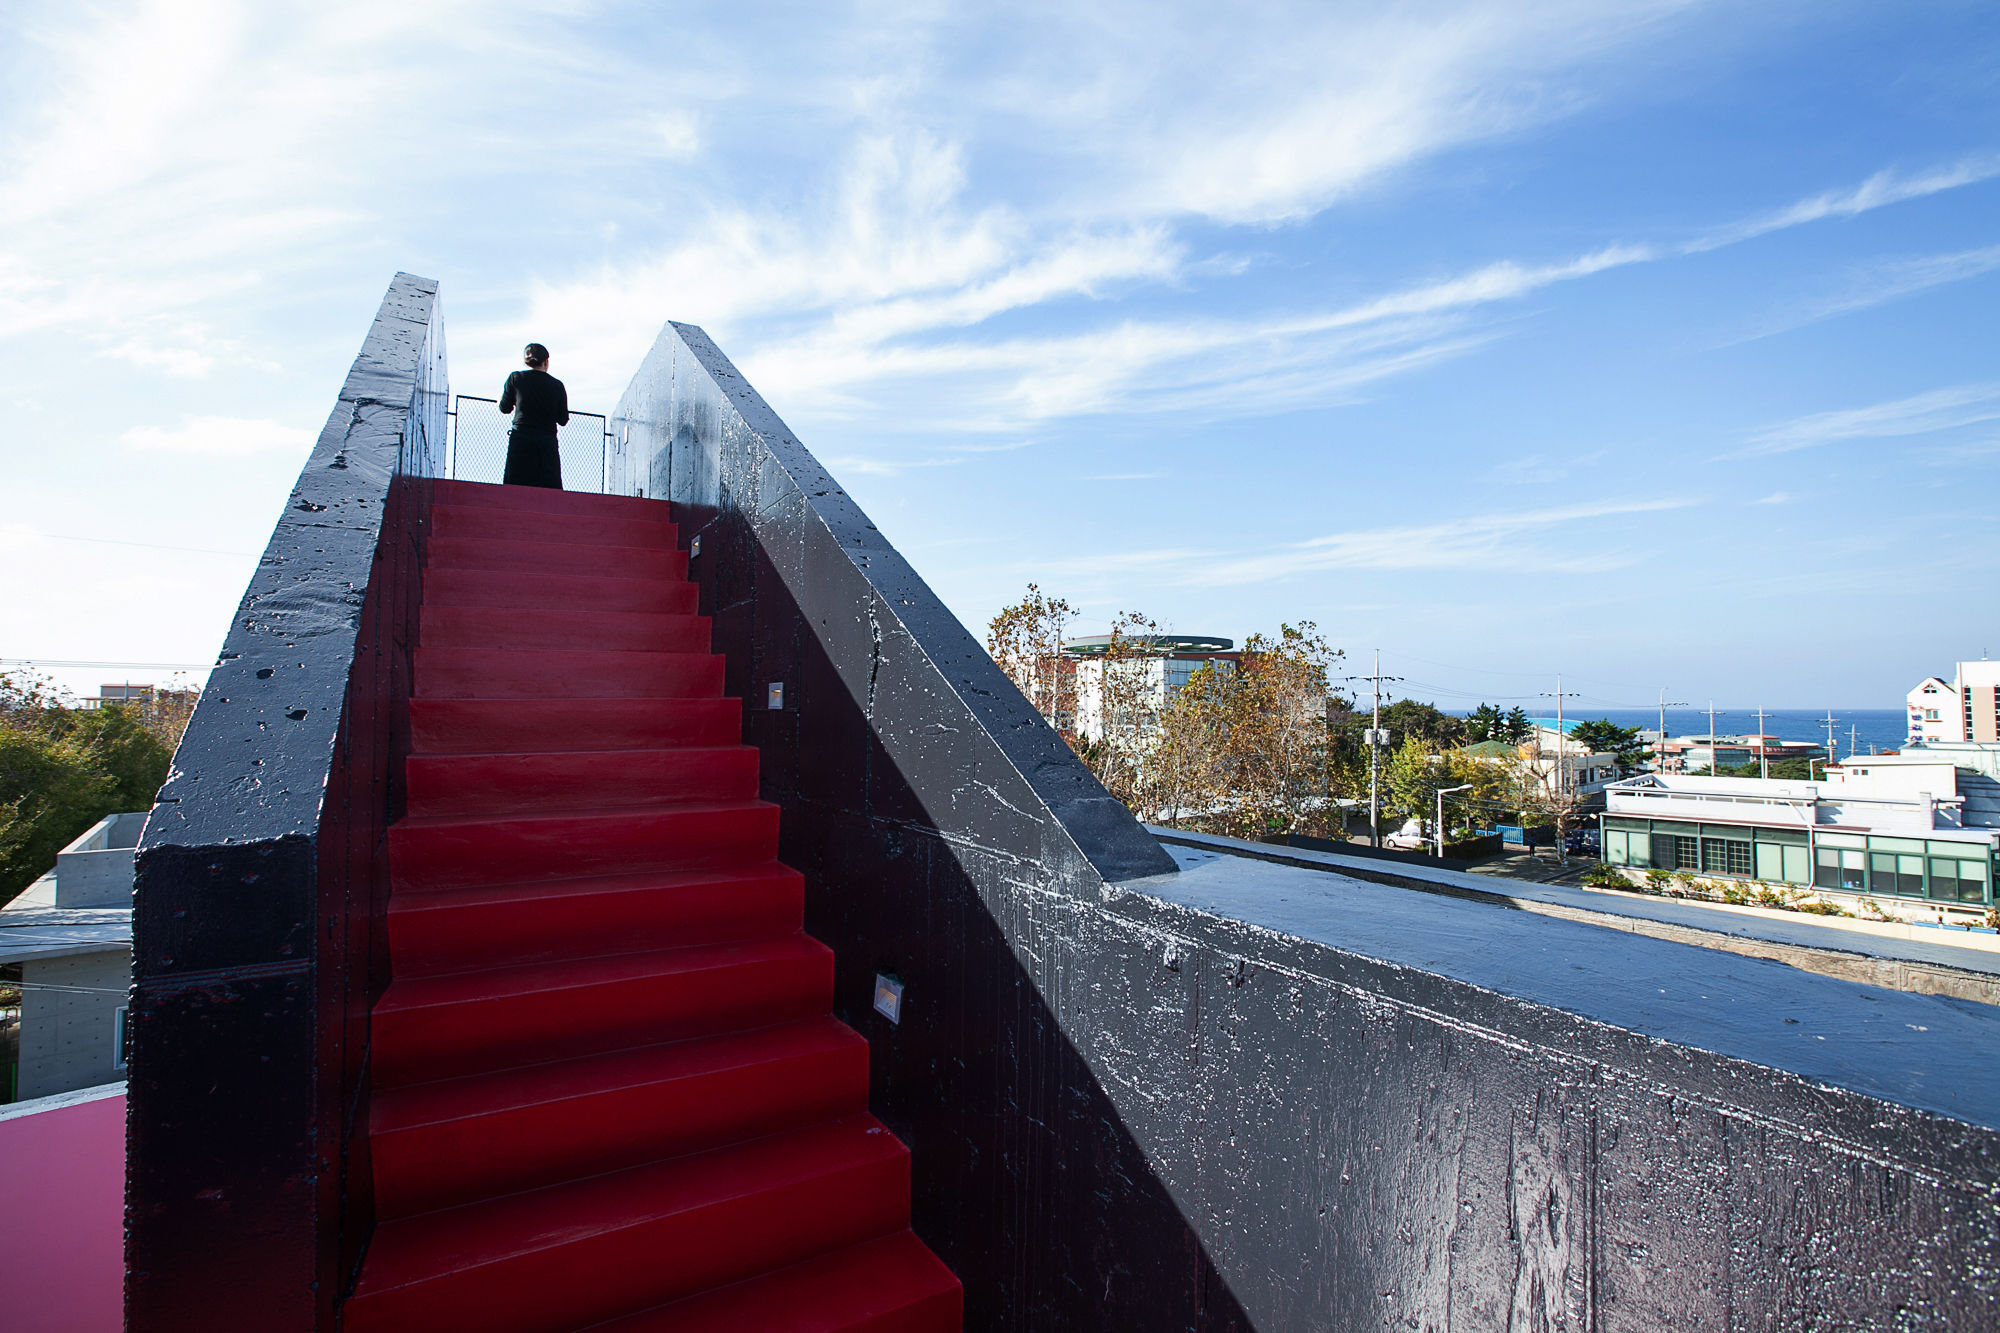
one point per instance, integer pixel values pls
(90, 912)
(1162, 645)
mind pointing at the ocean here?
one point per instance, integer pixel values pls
(1872, 729)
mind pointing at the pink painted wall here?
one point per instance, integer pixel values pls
(62, 1229)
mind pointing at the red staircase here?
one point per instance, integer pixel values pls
(609, 1090)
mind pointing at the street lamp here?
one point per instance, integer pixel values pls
(1442, 793)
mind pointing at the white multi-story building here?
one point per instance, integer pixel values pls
(1920, 828)
(1140, 685)
(1966, 708)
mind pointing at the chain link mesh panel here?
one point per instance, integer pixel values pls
(479, 444)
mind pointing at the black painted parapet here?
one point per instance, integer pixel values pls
(990, 771)
(1251, 1097)
(262, 871)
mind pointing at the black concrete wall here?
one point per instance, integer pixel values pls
(261, 875)
(1131, 1113)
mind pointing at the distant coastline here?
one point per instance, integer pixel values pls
(1879, 728)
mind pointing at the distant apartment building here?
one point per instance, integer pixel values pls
(69, 937)
(1964, 709)
(1920, 828)
(1127, 694)
(1696, 754)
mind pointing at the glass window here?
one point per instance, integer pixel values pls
(1852, 875)
(1770, 862)
(1826, 868)
(1971, 882)
(1881, 869)
(1725, 856)
(1798, 868)
(1614, 847)
(1687, 853)
(1944, 879)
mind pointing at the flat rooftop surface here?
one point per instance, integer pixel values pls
(1930, 1052)
(1795, 928)
(32, 926)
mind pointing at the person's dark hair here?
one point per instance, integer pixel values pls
(535, 355)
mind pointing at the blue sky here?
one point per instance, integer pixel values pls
(1653, 343)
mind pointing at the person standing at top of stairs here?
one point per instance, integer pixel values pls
(540, 404)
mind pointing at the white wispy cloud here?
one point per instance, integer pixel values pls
(1512, 540)
(1891, 280)
(1776, 498)
(1878, 191)
(220, 435)
(1489, 541)
(1919, 414)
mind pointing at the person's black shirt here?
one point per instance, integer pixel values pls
(537, 399)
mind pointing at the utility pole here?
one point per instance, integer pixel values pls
(1374, 752)
(1853, 742)
(1712, 765)
(1763, 754)
(1562, 771)
(1660, 749)
(1828, 722)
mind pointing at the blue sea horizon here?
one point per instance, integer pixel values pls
(1872, 729)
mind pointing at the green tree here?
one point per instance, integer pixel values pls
(1796, 770)
(1486, 723)
(1518, 727)
(1406, 718)
(1606, 737)
(62, 770)
(1248, 747)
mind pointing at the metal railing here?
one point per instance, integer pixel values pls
(479, 445)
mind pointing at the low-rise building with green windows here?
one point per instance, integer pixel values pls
(1911, 831)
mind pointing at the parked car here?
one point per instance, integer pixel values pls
(1409, 838)
(1581, 842)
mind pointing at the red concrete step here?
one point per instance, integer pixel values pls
(454, 851)
(593, 1249)
(535, 499)
(436, 1145)
(522, 627)
(630, 562)
(523, 525)
(891, 1285)
(463, 930)
(571, 592)
(497, 784)
(540, 673)
(427, 1028)
(495, 726)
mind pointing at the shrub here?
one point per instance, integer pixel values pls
(1735, 894)
(1658, 879)
(1606, 877)
(1820, 907)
